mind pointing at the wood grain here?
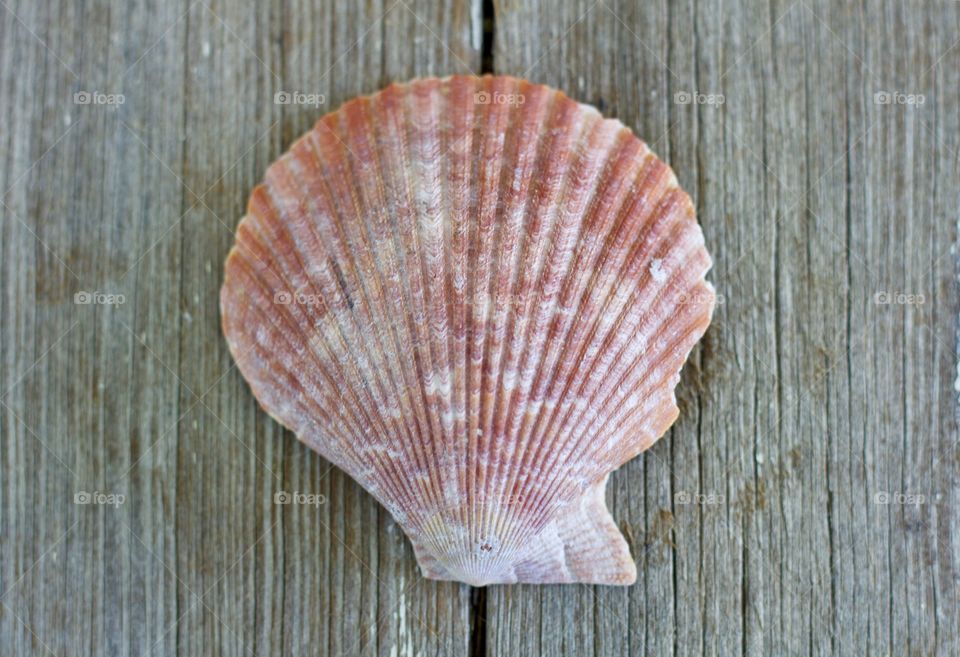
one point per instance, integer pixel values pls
(809, 403)
(804, 504)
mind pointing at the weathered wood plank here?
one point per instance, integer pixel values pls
(82, 399)
(142, 399)
(339, 578)
(807, 400)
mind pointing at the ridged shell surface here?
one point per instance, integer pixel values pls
(475, 296)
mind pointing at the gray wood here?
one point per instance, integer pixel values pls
(805, 502)
(806, 400)
(142, 399)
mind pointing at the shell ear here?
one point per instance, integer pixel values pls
(582, 545)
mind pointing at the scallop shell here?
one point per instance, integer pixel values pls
(474, 295)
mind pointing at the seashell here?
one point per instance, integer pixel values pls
(474, 295)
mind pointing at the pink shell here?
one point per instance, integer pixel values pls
(475, 296)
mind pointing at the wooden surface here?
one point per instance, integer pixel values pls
(806, 502)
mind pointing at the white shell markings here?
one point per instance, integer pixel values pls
(656, 270)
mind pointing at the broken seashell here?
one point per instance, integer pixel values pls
(473, 295)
